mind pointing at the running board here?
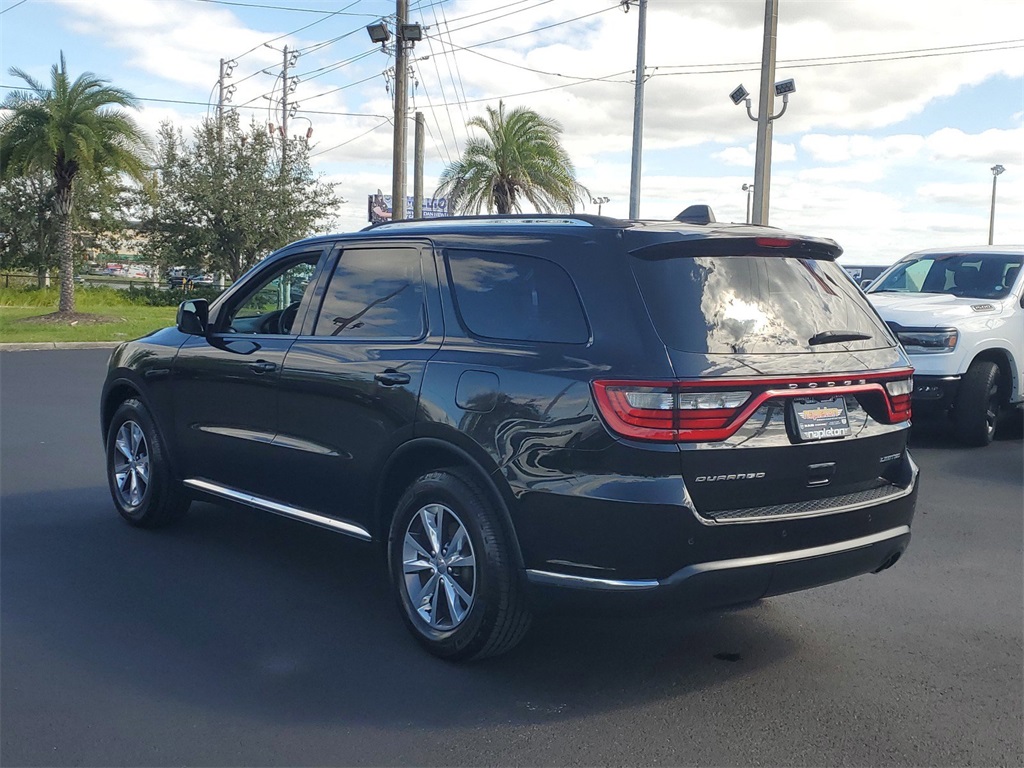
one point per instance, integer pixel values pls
(277, 508)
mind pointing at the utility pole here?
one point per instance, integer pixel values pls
(638, 110)
(417, 168)
(220, 104)
(401, 107)
(284, 113)
(766, 105)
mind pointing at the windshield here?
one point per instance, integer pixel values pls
(971, 275)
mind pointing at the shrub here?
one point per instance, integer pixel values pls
(89, 298)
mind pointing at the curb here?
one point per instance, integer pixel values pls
(18, 346)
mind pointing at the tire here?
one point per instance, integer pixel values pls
(458, 587)
(140, 478)
(978, 404)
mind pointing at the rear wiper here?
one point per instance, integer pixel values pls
(832, 337)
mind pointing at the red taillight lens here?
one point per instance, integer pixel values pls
(774, 242)
(900, 391)
(711, 410)
(644, 410)
(667, 411)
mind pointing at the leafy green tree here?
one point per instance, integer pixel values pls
(223, 201)
(519, 158)
(70, 128)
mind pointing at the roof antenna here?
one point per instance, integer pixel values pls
(697, 214)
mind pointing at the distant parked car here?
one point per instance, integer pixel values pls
(958, 313)
(190, 280)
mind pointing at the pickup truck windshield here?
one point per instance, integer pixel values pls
(971, 275)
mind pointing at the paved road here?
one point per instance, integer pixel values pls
(243, 639)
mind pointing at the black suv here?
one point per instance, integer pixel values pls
(705, 411)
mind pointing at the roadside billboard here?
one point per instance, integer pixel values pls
(378, 207)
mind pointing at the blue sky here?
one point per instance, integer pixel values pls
(900, 111)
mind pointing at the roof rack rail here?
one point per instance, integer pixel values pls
(492, 220)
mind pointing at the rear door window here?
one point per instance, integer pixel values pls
(755, 304)
(375, 293)
(516, 298)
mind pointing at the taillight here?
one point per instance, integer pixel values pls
(643, 410)
(712, 410)
(900, 391)
(666, 411)
(774, 242)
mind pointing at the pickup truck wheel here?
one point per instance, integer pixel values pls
(141, 485)
(978, 404)
(452, 569)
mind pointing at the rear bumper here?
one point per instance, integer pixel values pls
(744, 579)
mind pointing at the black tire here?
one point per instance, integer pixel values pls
(138, 470)
(978, 404)
(496, 618)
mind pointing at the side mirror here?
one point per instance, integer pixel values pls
(194, 317)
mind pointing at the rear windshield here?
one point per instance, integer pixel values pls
(969, 275)
(756, 305)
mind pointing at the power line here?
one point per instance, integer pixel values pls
(455, 59)
(329, 15)
(437, 69)
(516, 66)
(433, 113)
(12, 7)
(354, 138)
(949, 48)
(605, 79)
(282, 8)
(840, 61)
(536, 29)
(213, 104)
(312, 74)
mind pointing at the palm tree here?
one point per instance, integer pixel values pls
(519, 158)
(65, 129)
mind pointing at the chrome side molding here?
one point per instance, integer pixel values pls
(277, 508)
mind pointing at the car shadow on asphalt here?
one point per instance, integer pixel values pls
(938, 433)
(258, 616)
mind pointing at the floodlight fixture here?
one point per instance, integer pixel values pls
(997, 169)
(785, 87)
(378, 32)
(739, 94)
(411, 32)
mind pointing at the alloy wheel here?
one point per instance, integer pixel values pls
(439, 567)
(131, 464)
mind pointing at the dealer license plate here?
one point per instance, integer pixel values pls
(821, 419)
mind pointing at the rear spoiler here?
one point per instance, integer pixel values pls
(714, 244)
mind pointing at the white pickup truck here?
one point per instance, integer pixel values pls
(959, 313)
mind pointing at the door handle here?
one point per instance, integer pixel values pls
(262, 366)
(391, 378)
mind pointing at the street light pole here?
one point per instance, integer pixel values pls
(748, 188)
(996, 170)
(638, 111)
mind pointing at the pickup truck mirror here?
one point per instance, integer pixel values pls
(194, 317)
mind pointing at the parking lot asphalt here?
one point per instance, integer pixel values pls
(237, 638)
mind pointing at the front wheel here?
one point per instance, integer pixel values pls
(978, 404)
(140, 478)
(453, 570)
